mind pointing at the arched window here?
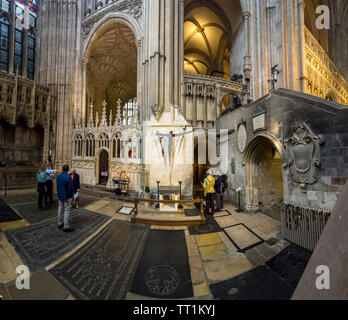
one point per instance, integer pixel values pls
(128, 111)
(90, 146)
(330, 96)
(129, 148)
(104, 141)
(78, 146)
(4, 43)
(134, 147)
(116, 147)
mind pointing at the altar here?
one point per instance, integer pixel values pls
(171, 193)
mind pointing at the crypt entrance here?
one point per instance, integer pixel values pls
(264, 175)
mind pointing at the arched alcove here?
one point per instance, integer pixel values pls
(112, 64)
(264, 176)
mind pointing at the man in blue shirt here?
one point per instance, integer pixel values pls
(64, 193)
(49, 183)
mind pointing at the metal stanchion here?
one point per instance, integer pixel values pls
(180, 206)
(158, 194)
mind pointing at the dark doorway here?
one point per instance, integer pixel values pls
(103, 167)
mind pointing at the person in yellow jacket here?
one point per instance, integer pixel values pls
(209, 193)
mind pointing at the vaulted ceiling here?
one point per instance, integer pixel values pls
(112, 63)
(206, 43)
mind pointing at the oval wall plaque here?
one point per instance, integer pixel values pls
(242, 138)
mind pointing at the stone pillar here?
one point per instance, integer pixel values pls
(247, 58)
(83, 107)
(302, 55)
(46, 148)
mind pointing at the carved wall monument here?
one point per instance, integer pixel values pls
(302, 152)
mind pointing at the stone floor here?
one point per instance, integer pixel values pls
(245, 242)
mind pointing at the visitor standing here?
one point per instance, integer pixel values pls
(64, 192)
(49, 183)
(209, 192)
(220, 188)
(75, 178)
(41, 178)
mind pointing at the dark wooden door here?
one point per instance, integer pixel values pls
(103, 167)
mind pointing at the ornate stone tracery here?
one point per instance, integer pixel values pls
(131, 7)
(121, 137)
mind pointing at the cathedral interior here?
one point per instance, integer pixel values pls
(146, 100)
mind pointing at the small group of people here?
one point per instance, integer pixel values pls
(214, 189)
(44, 178)
(68, 187)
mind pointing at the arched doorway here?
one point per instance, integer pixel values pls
(103, 167)
(264, 176)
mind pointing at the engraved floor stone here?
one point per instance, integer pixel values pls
(41, 244)
(164, 270)
(242, 236)
(258, 284)
(103, 269)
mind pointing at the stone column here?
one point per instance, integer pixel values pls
(247, 58)
(302, 55)
(46, 148)
(83, 110)
(194, 104)
(205, 107)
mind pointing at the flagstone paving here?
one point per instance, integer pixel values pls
(213, 257)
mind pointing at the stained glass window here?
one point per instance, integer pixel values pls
(19, 11)
(4, 41)
(5, 5)
(31, 56)
(18, 50)
(33, 5)
(32, 21)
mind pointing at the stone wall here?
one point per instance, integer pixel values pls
(283, 108)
